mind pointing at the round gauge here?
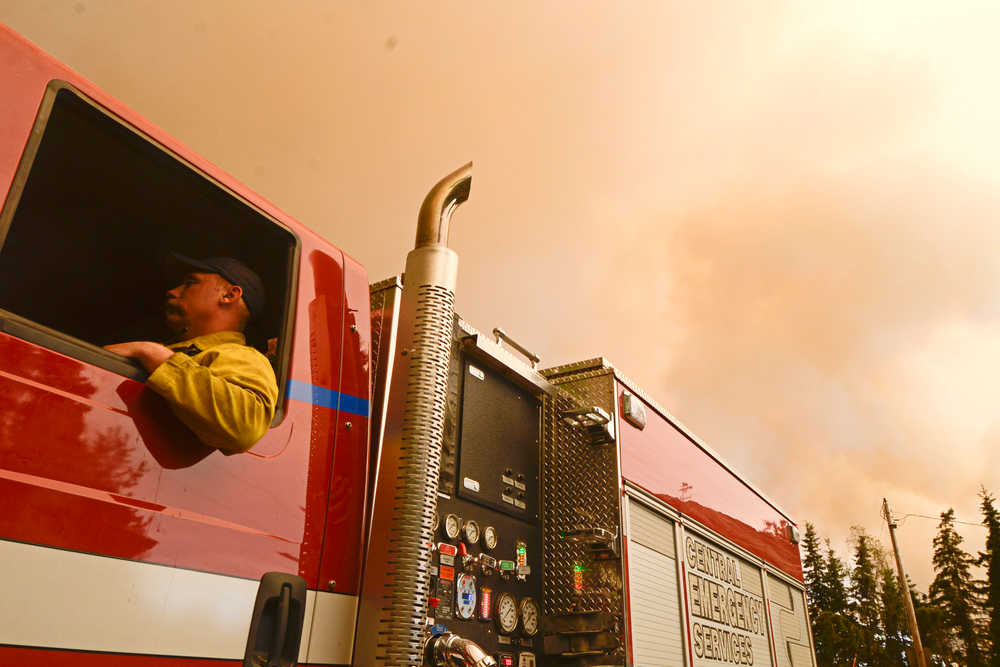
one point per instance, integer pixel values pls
(471, 530)
(506, 613)
(490, 538)
(465, 596)
(529, 616)
(435, 522)
(452, 525)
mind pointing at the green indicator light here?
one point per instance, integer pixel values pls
(521, 550)
(578, 568)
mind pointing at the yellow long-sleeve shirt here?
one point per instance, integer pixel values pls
(220, 388)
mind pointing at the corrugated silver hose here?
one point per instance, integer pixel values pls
(397, 576)
(450, 650)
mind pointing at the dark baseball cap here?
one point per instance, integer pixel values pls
(235, 272)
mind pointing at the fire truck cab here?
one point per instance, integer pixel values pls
(122, 532)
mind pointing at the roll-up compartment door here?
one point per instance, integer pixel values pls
(724, 593)
(655, 621)
(791, 629)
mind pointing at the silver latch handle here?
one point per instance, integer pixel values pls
(502, 335)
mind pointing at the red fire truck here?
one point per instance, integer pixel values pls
(425, 494)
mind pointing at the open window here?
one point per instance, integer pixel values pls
(95, 211)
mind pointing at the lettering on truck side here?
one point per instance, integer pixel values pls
(717, 598)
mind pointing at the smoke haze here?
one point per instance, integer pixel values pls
(779, 219)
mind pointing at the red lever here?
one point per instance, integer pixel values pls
(433, 602)
(462, 551)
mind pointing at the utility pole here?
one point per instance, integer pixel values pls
(911, 615)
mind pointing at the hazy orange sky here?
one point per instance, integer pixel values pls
(778, 218)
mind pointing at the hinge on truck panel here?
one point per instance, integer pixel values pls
(593, 421)
(601, 542)
(590, 637)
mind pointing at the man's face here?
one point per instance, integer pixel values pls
(195, 300)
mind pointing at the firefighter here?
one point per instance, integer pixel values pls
(222, 389)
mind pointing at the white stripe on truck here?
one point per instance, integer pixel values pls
(77, 601)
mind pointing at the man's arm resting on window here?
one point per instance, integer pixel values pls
(228, 403)
(147, 353)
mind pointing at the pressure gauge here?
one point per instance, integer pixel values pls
(490, 538)
(529, 617)
(471, 530)
(452, 525)
(465, 596)
(506, 613)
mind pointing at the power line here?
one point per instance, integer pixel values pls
(903, 518)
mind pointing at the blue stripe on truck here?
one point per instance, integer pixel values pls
(327, 398)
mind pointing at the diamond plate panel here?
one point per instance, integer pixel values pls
(384, 298)
(377, 300)
(377, 297)
(580, 483)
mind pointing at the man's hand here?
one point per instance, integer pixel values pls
(147, 353)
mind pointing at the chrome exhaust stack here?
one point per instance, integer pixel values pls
(435, 212)
(393, 604)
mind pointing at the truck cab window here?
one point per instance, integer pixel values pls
(86, 233)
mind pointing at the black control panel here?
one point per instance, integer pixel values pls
(487, 537)
(498, 457)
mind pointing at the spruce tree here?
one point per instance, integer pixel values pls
(834, 630)
(933, 631)
(954, 592)
(813, 567)
(990, 559)
(865, 604)
(834, 574)
(835, 637)
(896, 634)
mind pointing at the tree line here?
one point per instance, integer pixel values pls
(858, 612)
